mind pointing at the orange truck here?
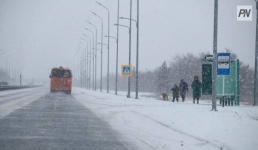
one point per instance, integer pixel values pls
(61, 80)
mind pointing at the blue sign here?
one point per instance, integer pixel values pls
(126, 70)
(223, 64)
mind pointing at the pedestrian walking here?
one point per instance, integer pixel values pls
(175, 93)
(196, 86)
(183, 86)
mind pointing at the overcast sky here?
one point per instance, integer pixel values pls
(43, 34)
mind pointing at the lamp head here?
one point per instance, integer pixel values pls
(98, 3)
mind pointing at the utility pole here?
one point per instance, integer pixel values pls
(256, 58)
(117, 44)
(107, 47)
(137, 52)
(129, 78)
(214, 68)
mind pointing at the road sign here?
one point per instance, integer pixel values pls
(126, 70)
(223, 64)
(228, 86)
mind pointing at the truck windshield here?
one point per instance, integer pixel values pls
(56, 73)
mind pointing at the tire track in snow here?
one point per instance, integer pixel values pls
(223, 146)
(136, 135)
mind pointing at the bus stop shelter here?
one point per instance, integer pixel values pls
(227, 86)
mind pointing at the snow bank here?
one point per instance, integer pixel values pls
(155, 124)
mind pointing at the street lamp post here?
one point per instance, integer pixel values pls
(129, 78)
(137, 52)
(86, 70)
(78, 69)
(256, 57)
(80, 66)
(89, 61)
(92, 57)
(214, 68)
(116, 61)
(128, 94)
(83, 70)
(89, 74)
(101, 49)
(108, 48)
(137, 49)
(95, 84)
(103, 44)
(96, 50)
(117, 32)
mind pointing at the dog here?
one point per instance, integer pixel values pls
(165, 96)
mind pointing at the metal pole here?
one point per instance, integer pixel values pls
(86, 55)
(117, 45)
(214, 55)
(92, 59)
(88, 67)
(83, 67)
(96, 68)
(137, 53)
(108, 57)
(95, 80)
(86, 71)
(129, 42)
(80, 70)
(107, 47)
(101, 49)
(129, 78)
(96, 63)
(256, 58)
(101, 56)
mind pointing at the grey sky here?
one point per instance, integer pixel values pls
(46, 34)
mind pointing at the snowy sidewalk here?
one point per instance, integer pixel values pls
(154, 124)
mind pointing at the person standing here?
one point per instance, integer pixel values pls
(183, 86)
(175, 92)
(196, 86)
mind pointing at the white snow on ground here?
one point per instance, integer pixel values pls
(10, 92)
(155, 124)
(19, 98)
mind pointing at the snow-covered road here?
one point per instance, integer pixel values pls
(12, 100)
(154, 124)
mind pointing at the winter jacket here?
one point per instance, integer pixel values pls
(183, 86)
(196, 86)
(175, 91)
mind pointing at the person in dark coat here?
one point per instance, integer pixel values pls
(183, 86)
(196, 86)
(175, 92)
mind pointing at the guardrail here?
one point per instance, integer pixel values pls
(14, 87)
